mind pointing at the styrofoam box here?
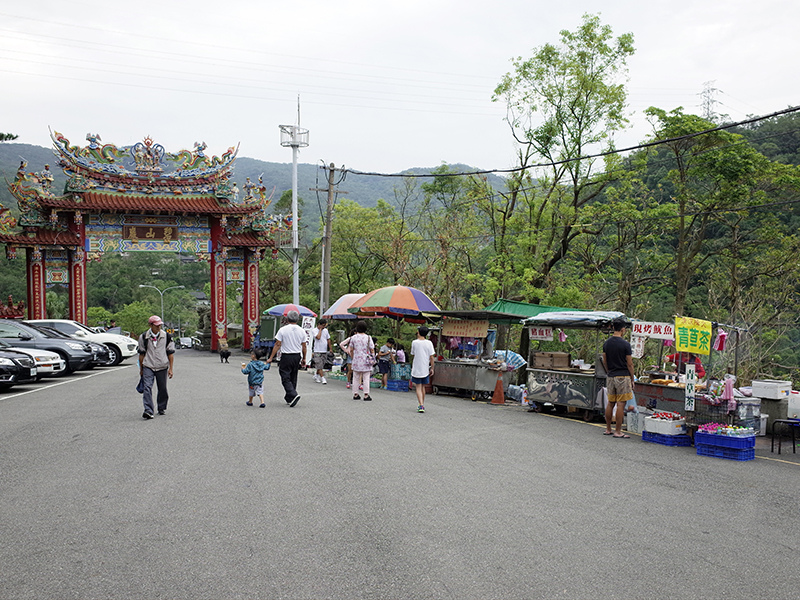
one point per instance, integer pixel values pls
(772, 389)
(665, 427)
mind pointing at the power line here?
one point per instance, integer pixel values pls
(588, 156)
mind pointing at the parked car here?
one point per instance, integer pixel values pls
(47, 363)
(100, 354)
(76, 354)
(15, 367)
(119, 346)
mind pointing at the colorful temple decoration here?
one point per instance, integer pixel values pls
(140, 198)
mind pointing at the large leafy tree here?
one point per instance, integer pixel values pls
(563, 103)
(716, 180)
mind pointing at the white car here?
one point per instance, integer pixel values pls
(119, 347)
(47, 363)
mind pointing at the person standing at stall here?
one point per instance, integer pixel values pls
(618, 362)
(422, 366)
(290, 342)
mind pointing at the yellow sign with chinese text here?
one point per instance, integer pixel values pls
(692, 335)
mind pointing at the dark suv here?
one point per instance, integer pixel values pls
(77, 355)
(15, 367)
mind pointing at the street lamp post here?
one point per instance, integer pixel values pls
(161, 292)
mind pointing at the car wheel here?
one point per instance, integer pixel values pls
(114, 355)
(67, 370)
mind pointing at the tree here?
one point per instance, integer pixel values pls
(7, 137)
(562, 103)
(715, 180)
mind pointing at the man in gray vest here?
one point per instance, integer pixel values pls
(156, 353)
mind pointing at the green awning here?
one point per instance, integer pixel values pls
(523, 310)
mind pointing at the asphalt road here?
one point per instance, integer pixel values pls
(337, 498)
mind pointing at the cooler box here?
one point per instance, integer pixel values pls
(772, 389)
(793, 406)
(664, 427)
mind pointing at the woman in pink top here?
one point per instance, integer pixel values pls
(361, 347)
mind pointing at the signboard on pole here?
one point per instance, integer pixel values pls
(650, 329)
(691, 381)
(637, 345)
(692, 335)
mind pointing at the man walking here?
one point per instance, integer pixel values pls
(156, 355)
(321, 346)
(618, 362)
(422, 366)
(291, 342)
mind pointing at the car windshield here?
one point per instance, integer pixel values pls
(27, 329)
(48, 332)
(83, 327)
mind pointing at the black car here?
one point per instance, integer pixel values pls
(15, 367)
(76, 354)
(101, 356)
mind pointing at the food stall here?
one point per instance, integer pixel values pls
(554, 377)
(465, 347)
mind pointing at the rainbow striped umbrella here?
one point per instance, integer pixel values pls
(393, 301)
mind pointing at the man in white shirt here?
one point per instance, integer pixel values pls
(321, 346)
(291, 342)
(422, 368)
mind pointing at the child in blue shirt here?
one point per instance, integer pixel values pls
(255, 377)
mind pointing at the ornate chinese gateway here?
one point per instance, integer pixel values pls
(139, 198)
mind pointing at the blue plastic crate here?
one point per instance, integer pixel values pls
(726, 453)
(724, 441)
(397, 385)
(666, 440)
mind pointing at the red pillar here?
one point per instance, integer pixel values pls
(250, 302)
(77, 286)
(219, 316)
(37, 303)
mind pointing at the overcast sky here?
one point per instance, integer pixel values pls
(383, 85)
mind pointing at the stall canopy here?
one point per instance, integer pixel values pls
(577, 319)
(494, 317)
(521, 310)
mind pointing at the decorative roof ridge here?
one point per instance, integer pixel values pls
(147, 157)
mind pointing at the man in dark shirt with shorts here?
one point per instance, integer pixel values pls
(618, 362)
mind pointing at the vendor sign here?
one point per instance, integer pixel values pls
(659, 331)
(464, 328)
(692, 335)
(544, 334)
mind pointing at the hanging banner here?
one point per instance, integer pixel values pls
(658, 331)
(544, 334)
(691, 381)
(462, 328)
(692, 335)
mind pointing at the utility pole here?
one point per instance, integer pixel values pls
(294, 137)
(324, 302)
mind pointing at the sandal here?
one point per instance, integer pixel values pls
(623, 436)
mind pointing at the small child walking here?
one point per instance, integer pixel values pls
(255, 378)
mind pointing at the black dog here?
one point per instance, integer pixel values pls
(224, 353)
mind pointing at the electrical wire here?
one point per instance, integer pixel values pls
(589, 156)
